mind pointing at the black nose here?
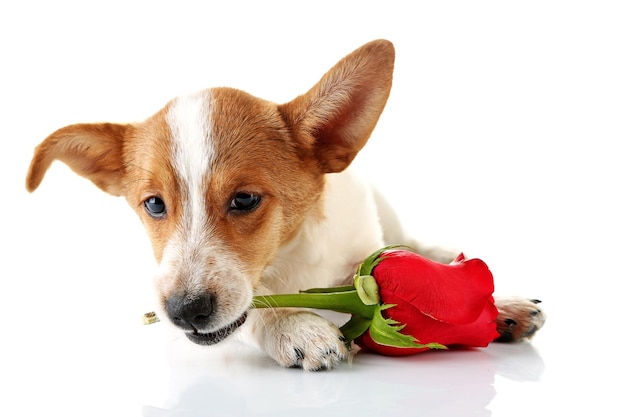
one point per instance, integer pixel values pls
(190, 313)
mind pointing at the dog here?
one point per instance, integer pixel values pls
(241, 196)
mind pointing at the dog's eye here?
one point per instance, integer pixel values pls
(245, 202)
(155, 207)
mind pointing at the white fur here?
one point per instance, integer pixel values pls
(189, 121)
(193, 258)
(327, 252)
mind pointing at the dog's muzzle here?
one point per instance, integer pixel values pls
(194, 314)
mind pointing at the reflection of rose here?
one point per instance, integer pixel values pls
(402, 303)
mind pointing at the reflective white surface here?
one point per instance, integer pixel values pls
(146, 371)
(503, 137)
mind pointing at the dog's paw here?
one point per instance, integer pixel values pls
(518, 318)
(304, 339)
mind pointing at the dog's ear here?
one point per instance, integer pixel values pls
(339, 113)
(94, 151)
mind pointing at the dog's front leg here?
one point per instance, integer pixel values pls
(298, 338)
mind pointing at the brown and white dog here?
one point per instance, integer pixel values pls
(241, 196)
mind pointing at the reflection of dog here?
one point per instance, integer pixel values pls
(241, 196)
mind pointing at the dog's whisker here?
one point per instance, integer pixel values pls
(310, 264)
(138, 180)
(130, 164)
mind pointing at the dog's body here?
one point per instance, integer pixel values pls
(241, 196)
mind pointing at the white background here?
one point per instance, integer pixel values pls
(503, 137)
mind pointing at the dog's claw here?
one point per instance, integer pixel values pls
(510, 322)
(299, 354)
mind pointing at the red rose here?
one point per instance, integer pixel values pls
(402, 303)
(437, 303)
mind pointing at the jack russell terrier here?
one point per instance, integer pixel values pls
(241, 196)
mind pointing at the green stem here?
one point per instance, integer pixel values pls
(342, 301)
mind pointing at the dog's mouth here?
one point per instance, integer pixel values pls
(217, 336)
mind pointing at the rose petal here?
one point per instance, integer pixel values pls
(455, 293)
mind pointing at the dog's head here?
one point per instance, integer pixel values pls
(222, 179)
